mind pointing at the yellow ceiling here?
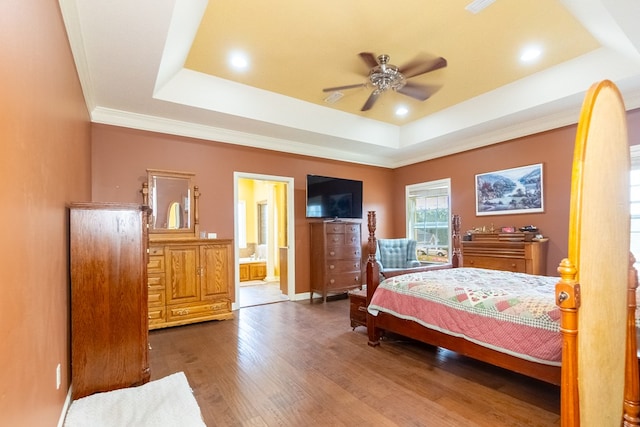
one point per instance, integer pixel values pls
(298, 48)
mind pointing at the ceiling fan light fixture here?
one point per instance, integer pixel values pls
(386, 76)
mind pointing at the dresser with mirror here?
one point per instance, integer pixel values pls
(189, 276)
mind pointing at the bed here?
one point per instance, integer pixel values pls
(582, 324)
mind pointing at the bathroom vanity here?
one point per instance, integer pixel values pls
(252, 270)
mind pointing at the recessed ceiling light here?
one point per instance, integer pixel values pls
(238, 61)
(402, 111)
(530, 53)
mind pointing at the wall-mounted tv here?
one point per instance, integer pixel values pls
(335, 198)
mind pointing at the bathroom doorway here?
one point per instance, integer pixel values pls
(264, 256)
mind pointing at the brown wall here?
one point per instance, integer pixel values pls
(121, 156)
(554, 149)
(44, 164)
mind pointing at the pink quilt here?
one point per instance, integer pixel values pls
(510, 312)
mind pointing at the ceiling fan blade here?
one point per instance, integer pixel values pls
(333, 89)
(369, 59)
(418, 91)
(371, 100)
(417, 67)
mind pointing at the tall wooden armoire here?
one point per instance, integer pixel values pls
(109, 325)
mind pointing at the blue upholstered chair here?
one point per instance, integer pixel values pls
(396, 254)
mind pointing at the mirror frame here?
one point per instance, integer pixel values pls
(148, 193)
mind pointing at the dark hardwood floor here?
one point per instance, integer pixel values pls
(300, 364)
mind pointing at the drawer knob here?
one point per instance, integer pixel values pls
(332, 253)
(362, 308)
(332, 281)
(331, 267)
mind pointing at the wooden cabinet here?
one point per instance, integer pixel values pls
(517, 252)
(189, 281)
(253, 271)
(109, 333)
(336, 253)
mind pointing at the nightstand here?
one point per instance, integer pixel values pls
(358, 308)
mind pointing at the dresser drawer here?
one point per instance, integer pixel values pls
(506, 264)
(156, 316)
(343, 252)
(358, 308)
(155, 281)
(155, 264)
(335, 228)
(343, 266)
(343, 280)
(156, 251)
(349, 238)
(176, 313)
(156, 298)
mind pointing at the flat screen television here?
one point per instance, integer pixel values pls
(335, 198)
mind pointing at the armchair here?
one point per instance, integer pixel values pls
(396, 255)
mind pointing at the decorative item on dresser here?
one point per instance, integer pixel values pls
(109, 333)
(189, 279)
(336, 250)
(517, 252)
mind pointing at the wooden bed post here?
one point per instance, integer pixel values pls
(456, 254)
(568, 299)
(373, 278)
(632, 382)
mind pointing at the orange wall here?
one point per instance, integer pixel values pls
(44, 164)
(554, 149)
(120, 157)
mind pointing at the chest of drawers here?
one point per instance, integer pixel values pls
(336, 254)
(506, 251)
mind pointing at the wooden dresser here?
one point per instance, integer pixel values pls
(517, 252)
(109, 335)
(190, 280)
(336, 254)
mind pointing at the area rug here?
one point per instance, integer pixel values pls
(166, 402)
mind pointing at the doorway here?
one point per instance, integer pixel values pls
(263, 236)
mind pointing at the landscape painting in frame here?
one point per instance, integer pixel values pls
(510, 191)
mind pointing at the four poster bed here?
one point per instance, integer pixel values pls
(584, 321)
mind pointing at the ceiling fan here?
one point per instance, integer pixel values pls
(384, 76)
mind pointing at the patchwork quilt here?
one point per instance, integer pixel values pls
(514, 313)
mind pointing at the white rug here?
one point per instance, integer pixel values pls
(166, 402)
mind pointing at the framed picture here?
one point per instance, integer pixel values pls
(510, 191)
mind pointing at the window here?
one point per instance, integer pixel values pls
(429, 219)
(634, 199)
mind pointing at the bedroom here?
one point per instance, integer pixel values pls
(60, 152)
